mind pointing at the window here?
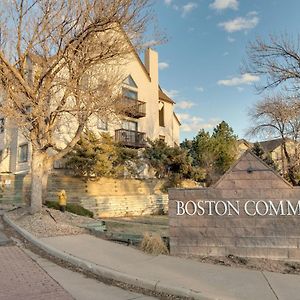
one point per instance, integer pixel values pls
(23, 153)
(161, 108)
(130, 125)
(102, 125)
(162, 138)
(130, 82)
(2, 122)
(130, 94)
(28, 109)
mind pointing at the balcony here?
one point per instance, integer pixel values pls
(133, 108)
(131, 138)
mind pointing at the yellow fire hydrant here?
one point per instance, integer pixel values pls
(62, 200)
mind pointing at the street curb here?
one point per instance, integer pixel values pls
(155, 286)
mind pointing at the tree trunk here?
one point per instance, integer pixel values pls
(37, 175)
(291, 174)
(44, 184)
(47, 167)
(290, 167)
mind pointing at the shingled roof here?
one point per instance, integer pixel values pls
(163, 96)
(269, 146)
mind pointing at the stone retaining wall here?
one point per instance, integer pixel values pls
(106, 197)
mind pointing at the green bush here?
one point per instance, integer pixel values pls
(79, 210)
(52, 204)
(72, 208)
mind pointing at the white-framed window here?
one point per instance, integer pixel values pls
(130, 125)
(2, 123)
(130, 82)
(23, 153)
(162, 138)
(102, 124)
(130, 94)
(130, 88)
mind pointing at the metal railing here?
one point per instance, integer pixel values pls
(133, 108)
(131, 138)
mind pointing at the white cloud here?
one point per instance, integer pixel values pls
(168, 2)
(236, 81)
(230, 39)
(226, 53)
(224, 4)
(150, 43)
(238, 24)
(171, 93)
(200, 89)
(183, 117)
(185, 104)
(194, 124)
(163, 65)
(189, 7)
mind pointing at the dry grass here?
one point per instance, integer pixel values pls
(153, 244)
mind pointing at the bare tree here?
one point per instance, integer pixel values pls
(278, 59)
(57, 68)
(279, 117)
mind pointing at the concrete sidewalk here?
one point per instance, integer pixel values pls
(211, 281)
(82, 287)
(167, 274)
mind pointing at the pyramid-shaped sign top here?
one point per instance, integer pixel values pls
(251, 172)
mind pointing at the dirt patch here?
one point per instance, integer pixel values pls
(49, 222)
(259, 264)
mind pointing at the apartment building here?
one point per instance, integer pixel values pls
(148, 114)
(273, 148)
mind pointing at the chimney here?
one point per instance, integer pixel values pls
(151, 64)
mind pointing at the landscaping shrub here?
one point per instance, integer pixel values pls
(72, 208)
(153, 244)
(52, 204)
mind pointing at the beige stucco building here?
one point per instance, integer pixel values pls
(149, 114)
(273, 148)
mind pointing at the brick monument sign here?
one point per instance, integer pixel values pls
(251, 211)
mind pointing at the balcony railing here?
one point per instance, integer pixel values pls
(131, 138)
(133, 108)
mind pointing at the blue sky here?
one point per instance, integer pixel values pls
(200, 63)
